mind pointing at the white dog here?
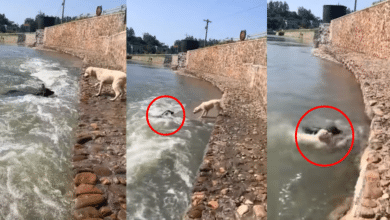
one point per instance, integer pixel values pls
(322, 139)
(106, 76)
(206, 106)
(325, 139)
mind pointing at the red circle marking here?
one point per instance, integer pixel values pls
(350, 148)
(182, 107)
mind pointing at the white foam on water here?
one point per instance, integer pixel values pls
(35, 132)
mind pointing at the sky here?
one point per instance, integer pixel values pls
(316, 6)
(18, 10)
(171, 20)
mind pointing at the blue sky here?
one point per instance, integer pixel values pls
(18, 10)
(316, 6)
(170, 20)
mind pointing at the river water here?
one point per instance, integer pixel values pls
(161, 169)
(36, 133)
(297, 82)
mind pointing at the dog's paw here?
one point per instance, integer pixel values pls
(97, 95)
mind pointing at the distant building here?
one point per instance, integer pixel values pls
(291, 23)
(27, 27)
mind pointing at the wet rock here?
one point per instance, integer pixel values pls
(242, 210)
(79, 158)
(121, 215)
(89, 200)
(120, 170)
(118, 190)
(87, 212)
(86, 178)
(122, 180)
(105, 211)
(102, 171)
(259, 211)
(195, 212)
(83, 138)
(87, 189)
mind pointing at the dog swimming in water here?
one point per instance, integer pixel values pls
(330, 137)
(43, 91)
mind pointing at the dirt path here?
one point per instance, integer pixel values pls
(99, 156)
(232, 180)
(371, 199)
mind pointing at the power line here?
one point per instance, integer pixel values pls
(241, 11)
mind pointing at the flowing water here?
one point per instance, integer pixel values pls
(297, 82)
(36, 133)
(161, 169)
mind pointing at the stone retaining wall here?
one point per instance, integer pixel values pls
(366, 31)
(244, 60)
(100, 40)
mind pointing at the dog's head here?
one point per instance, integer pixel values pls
(89, 72)
(324, 136)
(197, 109)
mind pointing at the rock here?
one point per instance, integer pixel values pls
(248, 202)
(195, 212)
(377, 111)
(213, 204)
(224, 191)
(89, 200)
(367, 212)
(372, 102)
(242, 210)
(222, 170)
(122, 180)
(122, 215)
(373, 158)
(259, 211)
(102, 171)
(79, 158)
(120, 171)
(86, 178)
(118, 190)
(385, 196)
(83, 138)
(372, 187)
(87, 212)
(94, 126)
(369, 203)
(105, 181)
(105, 211)
(87, 189)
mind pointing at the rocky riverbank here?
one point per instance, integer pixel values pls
(372, 191)
(99, 155)
(232, 180)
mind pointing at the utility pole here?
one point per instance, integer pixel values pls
(207, 27)
(63, 7)
(355, 5)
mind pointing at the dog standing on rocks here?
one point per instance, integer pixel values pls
(106, 76)
(206, 106)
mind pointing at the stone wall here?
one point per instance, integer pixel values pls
(366, 31)
(9, 38)
(101, 40)
(30, 39)
(243, 60)
(305, 34)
